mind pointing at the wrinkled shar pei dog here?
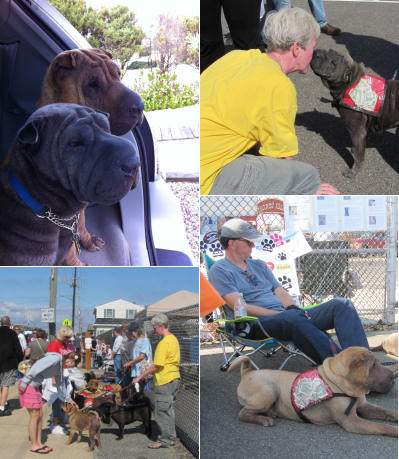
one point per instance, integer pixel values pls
(333, 393)
(90, 77)
(63, 159)
(366, 103)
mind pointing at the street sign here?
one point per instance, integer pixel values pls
(48, 315)
(66, 322)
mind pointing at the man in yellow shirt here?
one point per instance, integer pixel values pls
(167, 379)
(248, 105)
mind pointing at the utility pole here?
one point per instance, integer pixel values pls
(53, 300)
(74, 285)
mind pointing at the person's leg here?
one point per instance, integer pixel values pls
(294, 325)
(164, 412)
(243, 19)
(278, 4)
(211, 36)
(318, 11)
(34, 415)
(4, 396)
(257, 175)
(339, 313)
(117, 367)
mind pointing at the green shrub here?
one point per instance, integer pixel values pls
(162, 91)
(136, 65)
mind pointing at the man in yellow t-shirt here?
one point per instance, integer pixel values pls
(167, 379)
(248, 109)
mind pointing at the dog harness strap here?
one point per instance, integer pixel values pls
(367, 95)
(351, 404)
(24, 194)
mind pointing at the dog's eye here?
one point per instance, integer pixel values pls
(94, 84)
(76, 143)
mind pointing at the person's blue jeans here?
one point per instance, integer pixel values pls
(316, 7)
(306, 330)
(117, 367)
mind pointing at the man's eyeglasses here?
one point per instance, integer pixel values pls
(245, 240)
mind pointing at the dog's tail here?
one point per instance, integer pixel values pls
(245, 364)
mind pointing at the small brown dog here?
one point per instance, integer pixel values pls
(338, 397)
(97, 387)
(79, 421)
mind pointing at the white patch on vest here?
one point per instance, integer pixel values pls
(309, 391)
(364, 96)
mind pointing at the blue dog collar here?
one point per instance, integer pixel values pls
(23, 193)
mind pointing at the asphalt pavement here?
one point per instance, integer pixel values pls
(224, 436)
(370, 35)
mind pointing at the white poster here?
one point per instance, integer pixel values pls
(298, 213)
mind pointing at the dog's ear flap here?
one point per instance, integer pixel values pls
(28, 137)
(347, 76)
(66, 60)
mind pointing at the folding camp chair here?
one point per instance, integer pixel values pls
(211, 300)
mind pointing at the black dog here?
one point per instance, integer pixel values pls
(339, 73)
(138, 409)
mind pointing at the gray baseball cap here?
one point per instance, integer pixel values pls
(237, 228)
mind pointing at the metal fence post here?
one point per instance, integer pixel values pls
(392, 208)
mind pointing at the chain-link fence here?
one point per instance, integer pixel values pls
(360, 265)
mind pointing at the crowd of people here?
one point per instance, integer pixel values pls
(48, 370)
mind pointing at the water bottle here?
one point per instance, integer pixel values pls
(240, 307)
(240, 310)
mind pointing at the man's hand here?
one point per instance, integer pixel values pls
(128, 364)
(327, 189)
(21, 389)
(136, 380)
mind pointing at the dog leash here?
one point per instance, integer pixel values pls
(38, 208)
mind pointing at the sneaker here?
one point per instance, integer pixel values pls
(5, 412)
(58, 430)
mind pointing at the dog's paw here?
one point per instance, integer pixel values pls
(92, 243)
(267, 422)
(349, 173)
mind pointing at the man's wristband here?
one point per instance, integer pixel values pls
(292, 306)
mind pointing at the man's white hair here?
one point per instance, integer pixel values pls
(289, 25)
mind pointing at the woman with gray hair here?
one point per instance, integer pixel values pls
(248, 109)
(165, 369)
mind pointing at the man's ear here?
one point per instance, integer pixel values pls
(296, 47)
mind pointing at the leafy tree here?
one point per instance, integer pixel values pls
(170, 42)
(113, 30)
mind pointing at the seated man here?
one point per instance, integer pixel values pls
(268, 300)
(248, 109)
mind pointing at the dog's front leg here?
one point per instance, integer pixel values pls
(369, 411)
(358, 136)
(71, 434)
(358, 425)
(253, 416)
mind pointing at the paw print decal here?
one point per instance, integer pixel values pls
(267, 244)
(285, 282)
(282, 256)
(215, 248)
(277, 239)
(203, 246)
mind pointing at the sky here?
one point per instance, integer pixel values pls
(147, 11)
(24, 290)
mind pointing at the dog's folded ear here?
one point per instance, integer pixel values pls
(29, 134)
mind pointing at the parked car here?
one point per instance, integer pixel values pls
(369, 240)
(147, 223)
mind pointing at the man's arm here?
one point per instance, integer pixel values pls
(284, 297)
(252, 310)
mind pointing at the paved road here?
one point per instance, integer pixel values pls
(370, 36)
(224, 436)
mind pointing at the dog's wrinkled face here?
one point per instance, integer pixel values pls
(335, 70)
(90, 77)
(71, 145)
(68, 408)
(357, 371)
(92, 385)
